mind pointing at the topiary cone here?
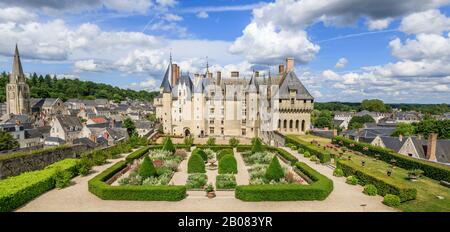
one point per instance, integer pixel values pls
(147, 169)
(275, 171)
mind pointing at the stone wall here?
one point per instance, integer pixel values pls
(272, 138)
(18, 165)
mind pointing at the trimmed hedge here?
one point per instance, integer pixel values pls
(284, 154)
(228, 164)
(432, 170)
(138, 153)
(324, 156)
(18, 190)
(224, 152)
(201, 153)
(384, 184)
(243, 148)
(98, 187)
(318, 190)
(274, 171)
(196, 164)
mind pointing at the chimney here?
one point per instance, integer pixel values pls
(256, 73)
(400, 137)
(431, 148)
(235, 74)
(289, 64)
(175, 74)
(335, 133)
(419, 136)
(219, 77)
(281, 69)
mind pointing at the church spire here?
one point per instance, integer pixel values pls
(17, 71)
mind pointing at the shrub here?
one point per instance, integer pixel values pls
(338, 172)
(98, 187)
(202, 154)
(168, 145)
(234, 142)
(306, 154)
(430, 169)
(227, 164)
(391, 200)
(384, 184)
(99, 158)
(62, 178)
(318, 190)
(147, 169)
(224, 152)
(301, 150)
(370, 190)
(211, 141)
(274, 171)
(352, 180)
(18, 190)
(225, 181)
(257, 145)
(180, 153)
(85, 165)
(313, 158)
(196, 164)
(196, 181)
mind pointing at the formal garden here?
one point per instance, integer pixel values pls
(405, 183)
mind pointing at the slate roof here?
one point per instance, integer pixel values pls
(142, 124)
(442, 149)
(32, 133)
(55, 139)
(69, 123)
(85, 141)
(44, 129)
(165, 85)
(117, 133)
(393, 143)
(291, 82)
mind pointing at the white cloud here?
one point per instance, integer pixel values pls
(424, 46)
(202, 15)
(431, 21)
(16, 15)
(172, 17)
(167, 3)
(330, 75)
(268, 44)
(342, 62)
(379, 24)
(86, 65)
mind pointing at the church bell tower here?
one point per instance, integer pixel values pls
(17, 90)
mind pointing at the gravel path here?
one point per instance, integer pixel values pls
(242, 177)
(77, 198)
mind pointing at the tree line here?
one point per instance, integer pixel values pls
(377, 105)
(52, 87)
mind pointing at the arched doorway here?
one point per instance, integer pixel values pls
(297, 123)
(285, 124)
(187, 132)
(291, 124)
(303, 125)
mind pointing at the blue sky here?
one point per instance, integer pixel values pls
(345, 50)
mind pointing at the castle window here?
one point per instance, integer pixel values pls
(243, 132)
(179, 110)
(212, 110)
(211, 121)
(211, 130)
(221, 130)
(280, 100)
(304, 101)
(292, 101)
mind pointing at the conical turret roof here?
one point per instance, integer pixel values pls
(165, 85)
(17, 74)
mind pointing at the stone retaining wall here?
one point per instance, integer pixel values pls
(18, 165)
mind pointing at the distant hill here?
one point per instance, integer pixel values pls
(47, 86)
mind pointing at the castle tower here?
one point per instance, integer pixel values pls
(17, 90)
(166, 92)
(252, 108)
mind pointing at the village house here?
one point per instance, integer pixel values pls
(66, 128)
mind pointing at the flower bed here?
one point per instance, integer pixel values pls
(318, 190)
(18, 190)
(134, 187)
(196, 181)
(225, 181)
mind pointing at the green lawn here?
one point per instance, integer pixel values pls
(427, 189)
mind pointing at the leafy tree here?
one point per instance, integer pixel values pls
(188, 140)
(129, 124)
(428, 126)
(374, 105)
(324, 120)
(274, 171)
(151, 117)
(358, 121)
(147, 169)
(234, 142)
(405, 129)
(7, 141)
